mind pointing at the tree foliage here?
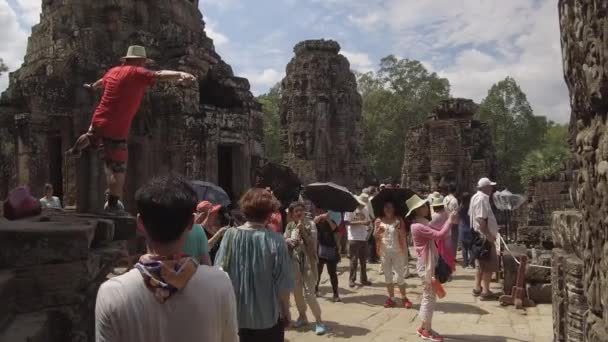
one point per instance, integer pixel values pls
(400, 95)
(546, 160)
(3, 67)
(516, 131)
(273, 132)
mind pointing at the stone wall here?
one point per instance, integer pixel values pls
(186, 129)
(581, 263)
(321, 113)
(51, 267)
(451, 147)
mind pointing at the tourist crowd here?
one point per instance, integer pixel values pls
(206, 278)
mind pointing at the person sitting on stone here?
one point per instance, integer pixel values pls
(49, 201)
(167, 296)
(124, 88)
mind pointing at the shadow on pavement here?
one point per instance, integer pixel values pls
(370, 300)
(481, 338)
(451, 307)
(338, 330)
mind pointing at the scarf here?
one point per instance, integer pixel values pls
(164, 276)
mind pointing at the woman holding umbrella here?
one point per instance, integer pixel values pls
(391, 245)
(424, 237)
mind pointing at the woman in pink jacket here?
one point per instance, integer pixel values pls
(424, 237)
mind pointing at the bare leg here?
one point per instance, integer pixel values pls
(486, 277)
(391, 290)
(116, 182)
(478, 280)
(402, 290)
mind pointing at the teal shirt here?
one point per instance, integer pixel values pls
(196, 242)
(258, 264)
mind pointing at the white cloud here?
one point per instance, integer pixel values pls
(262, 80)
(358, 61)
(29, 11)
(222, 5)
(13, 41)
(219, 38)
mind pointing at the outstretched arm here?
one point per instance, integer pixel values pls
(97, 85)
(170, 75)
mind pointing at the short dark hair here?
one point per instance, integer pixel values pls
(294, 205)
(48, 186)
(165, 206)
(258, 204)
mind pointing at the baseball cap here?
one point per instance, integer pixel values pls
(208, 206)
(485, 181)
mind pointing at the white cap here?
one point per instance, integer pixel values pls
(485, 181)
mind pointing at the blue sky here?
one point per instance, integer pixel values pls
(474, 43)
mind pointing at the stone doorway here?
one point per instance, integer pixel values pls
(55, 150)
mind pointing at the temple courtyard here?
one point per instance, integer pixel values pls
(459, 316)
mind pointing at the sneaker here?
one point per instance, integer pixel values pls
(476, 293)
(366, 283)
(337, 299)
(300, 323)
(351, 284)
(407, 303)
(389, 303)
(429, 336)
(484, 297)
(320, 329)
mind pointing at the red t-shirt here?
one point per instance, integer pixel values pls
(124, 88)
(276, 222)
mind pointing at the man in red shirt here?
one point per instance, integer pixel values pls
(124, 88)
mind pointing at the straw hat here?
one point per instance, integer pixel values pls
(135, 52)
(414, 203)
(437, 202)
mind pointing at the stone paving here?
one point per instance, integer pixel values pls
(459, 316)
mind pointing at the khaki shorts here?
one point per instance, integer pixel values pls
(490, 263)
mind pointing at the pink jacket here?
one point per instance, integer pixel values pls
(423, 234)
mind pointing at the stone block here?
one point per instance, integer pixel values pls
(125, 227)
(559, 295)
(42, 286)
(535, 236)
(8, 295)
(539, 275)
(104, 232)
(540, 293)
(566, 230)
(31, 327)
(510, 266)
(31, 242)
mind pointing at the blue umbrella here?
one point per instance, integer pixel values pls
(207, 191)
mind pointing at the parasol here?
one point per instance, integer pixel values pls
(397, 196)
(331, 196)
(505, 200)
(206, 191)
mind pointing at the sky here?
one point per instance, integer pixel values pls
(473, 43)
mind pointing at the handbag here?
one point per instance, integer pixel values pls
(480, 246)
(443, 271)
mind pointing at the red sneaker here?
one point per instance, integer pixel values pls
(429, 336)
(389, 303)
(406, 303)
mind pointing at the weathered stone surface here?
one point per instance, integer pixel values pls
(463, 147)
(31, 242)
(584, 40)
(535, 236)
(510, 266)
(31, 327)
(540, 293)
(321, 114)
(566, 230)
(185, 129)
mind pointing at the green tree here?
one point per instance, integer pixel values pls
(546, 161)
(400, 95)
(273, 131)
(3, 67)
(516, 131)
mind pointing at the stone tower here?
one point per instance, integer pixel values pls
(321, 113)
(212, 130)
(580, 263)
(451, 147)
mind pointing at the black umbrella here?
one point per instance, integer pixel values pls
(397, 196)
(330, 196)
(206, 191)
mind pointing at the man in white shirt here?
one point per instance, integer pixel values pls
(357, 226)
(484, 222)
(49, 201)
(167, 296)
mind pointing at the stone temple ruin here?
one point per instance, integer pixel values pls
(212, 130)
(580, 259)
(321, 113)
(451, 147)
